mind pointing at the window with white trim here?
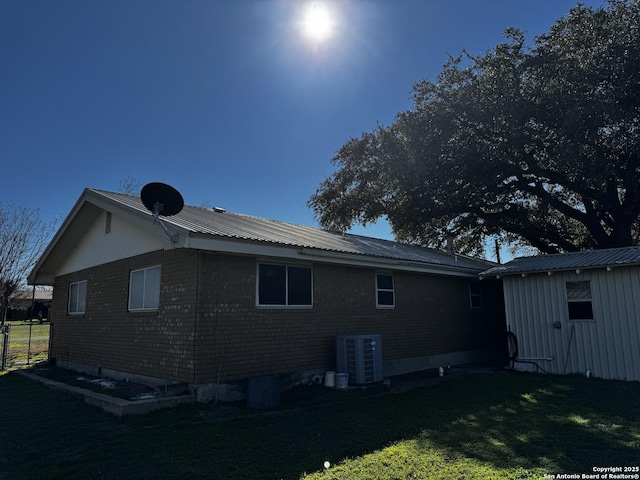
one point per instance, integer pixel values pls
(77, 297)
(579, 299)
(284, 285)
(385, 294)
(475, 294)
(144, 289)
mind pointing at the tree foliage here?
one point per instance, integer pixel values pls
(23, 237)
(129, 185)
(534, 144)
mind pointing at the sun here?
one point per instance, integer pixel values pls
(317, 24)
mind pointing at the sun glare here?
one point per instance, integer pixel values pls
(317, 23)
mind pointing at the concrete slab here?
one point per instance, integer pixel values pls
(113, 405)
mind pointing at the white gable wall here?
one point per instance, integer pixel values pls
(608, 346)
(125, 240)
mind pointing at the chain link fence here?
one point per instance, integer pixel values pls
(23, 343)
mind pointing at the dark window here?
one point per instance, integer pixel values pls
(299, 285)
(272, 285)
(475, 294)
(579, 300)
(284, 285)
(580, 311)
(385, 296)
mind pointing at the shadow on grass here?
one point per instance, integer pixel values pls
(505, 420)
(509, 421)
(554, 424)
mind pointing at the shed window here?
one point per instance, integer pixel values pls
(385, 295)
(77, 297)
(475, 294)
(284, 285)
(144, 289)
(579, 300)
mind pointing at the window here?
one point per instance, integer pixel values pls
(284, 285)
(144, 289)
(385, 297)
(579, 300)
(475, 294)
(77, 297)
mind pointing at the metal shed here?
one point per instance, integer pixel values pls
(575, 312)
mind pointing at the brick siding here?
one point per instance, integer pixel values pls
(236, 339)
(208, 328)
(156, 343)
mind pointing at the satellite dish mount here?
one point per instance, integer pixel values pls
(162, 200)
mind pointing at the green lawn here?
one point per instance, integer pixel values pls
(504, 425)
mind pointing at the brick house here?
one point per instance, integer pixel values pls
(231, 297)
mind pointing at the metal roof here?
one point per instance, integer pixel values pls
(613, 257)
(41, 295)
(223, 224)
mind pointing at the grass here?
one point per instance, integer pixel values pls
(505, 425)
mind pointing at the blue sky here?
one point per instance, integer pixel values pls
(226, 100)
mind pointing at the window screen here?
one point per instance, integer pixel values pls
(144, 289)
(77, 297)
(385, 295)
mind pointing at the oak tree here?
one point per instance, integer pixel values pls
(537, 144)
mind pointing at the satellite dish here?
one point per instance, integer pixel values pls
(161, 199)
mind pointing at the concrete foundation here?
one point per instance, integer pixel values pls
(98, 371)
(115, 406)
(403, 366)
(237, 391)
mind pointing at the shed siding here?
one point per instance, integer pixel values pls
(607, 345)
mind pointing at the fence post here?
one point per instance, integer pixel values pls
(4, 331)
(29, 347)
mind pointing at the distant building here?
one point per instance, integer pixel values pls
(20, 307)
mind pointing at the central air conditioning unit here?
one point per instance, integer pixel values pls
(361, 357)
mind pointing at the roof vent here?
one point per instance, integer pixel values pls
(449, 242)
(107, 224)
(218, 209)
